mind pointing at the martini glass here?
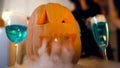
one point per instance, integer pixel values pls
(16, 29)
(100, 32)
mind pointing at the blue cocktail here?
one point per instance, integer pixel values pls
(100, 32)
(16, 28)
(16, 33)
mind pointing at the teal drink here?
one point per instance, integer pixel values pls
(16, 33)
(101, 34)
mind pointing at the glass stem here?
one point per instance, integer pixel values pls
(105, 56)
(16, 54)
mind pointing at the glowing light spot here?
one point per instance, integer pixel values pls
(56, 40)
(104, 37)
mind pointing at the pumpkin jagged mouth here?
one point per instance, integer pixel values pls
(60, 36)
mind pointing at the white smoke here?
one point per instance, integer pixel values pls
(60, 57)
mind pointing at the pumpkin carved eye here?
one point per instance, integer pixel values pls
(67, 18)
(43, 19)
(63, 21)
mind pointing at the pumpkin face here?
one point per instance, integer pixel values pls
(50, 21)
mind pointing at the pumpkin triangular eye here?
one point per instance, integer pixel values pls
(43, 19)
(66, 18)
(46, 19)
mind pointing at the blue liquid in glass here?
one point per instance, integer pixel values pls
(101, 34)
(16, 33)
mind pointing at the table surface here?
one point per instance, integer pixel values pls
(97, 63)
(94, 63)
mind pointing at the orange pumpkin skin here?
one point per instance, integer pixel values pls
(52, 20)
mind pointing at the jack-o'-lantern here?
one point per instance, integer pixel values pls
(49, 21)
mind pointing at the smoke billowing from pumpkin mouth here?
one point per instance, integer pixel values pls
(60, 56)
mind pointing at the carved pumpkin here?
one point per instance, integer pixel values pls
(49, 21)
